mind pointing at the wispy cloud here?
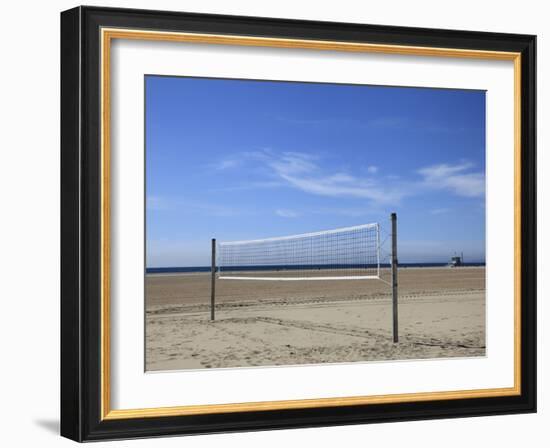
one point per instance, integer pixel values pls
(219, 210)
(305, 121)
(440, 211)
(372, 169)
(226, 164)
(251, 185)
(311, 174)
(303, 172)
(389, 122)
(353, 212)
(286, 213)
(157, 203)
(460, 179)
(382, 123)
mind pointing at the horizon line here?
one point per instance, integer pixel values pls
(381, 264)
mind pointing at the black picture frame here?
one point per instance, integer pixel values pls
(81, 414)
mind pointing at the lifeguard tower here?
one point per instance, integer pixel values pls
(456, 261)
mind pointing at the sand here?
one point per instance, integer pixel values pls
(264, 323)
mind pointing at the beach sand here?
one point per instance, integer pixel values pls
(270, 323)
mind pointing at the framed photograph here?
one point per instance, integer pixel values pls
(273, 223)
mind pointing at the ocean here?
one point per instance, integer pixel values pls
(192, 269)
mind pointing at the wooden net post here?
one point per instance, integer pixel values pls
(394, 275)
(213, 282)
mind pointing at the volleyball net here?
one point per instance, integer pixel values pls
(339, 254)
(348, 253)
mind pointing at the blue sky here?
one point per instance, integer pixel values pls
(237, 159)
